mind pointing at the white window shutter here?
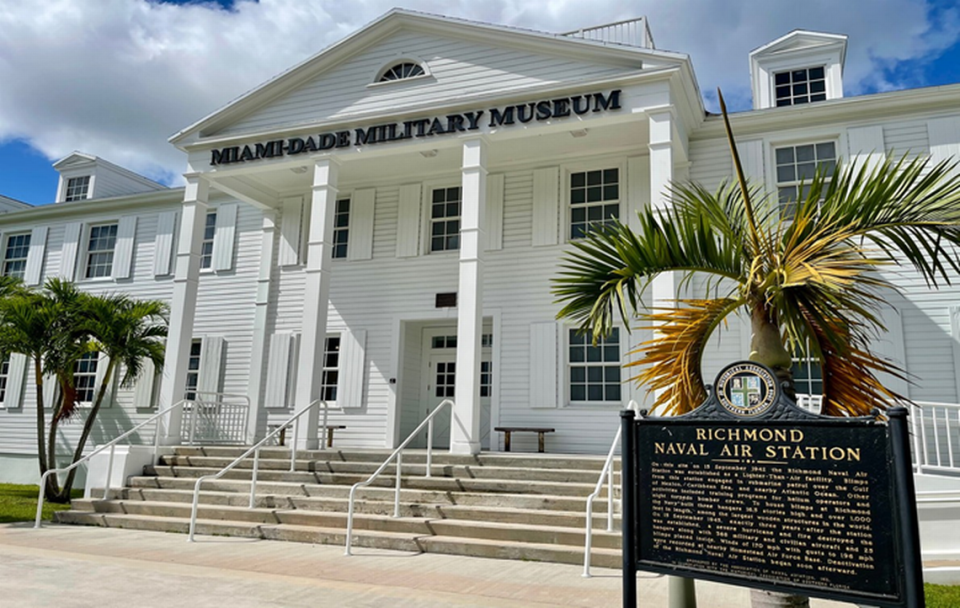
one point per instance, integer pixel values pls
(38, 246)
(145, 388)
(944, 136)
(546, 206)
(283, 349)
(638, 190)
(751, 159)
(891, 346)
(16, 380)
(290, 231)
(543, 365)
(865, 146)
(352, 368)
(494, 212)
(102, 363)
(163, 244)
(69, 250)
(225, 237)
(123, 252)
(211, 364)
(408, 222)
(50, 391)
(360, 235)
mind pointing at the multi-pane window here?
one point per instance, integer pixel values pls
(85, 377)
(331, 369)
(77, 188)
(796, 166)
(4, 374)
(594, 370)
(193, 370)
(445, 219)
(807, 376)
(594, 200)
(15, 255)
(446, 379)
(100, 247)
(341, 228)
(400, 71)
(206, 246)
(443, 342)
(796, 87)
(486, 378)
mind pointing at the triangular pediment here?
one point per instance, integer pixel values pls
(801, 40)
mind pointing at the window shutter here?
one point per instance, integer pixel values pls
(408, 222)
(16, 380)
(292, 209)
(352, 368)
(944, 135)
(69, 250)
(38, 245)
(282, 357)
(50, 391)
(211, 359)
(144, 390)
(102, 363)
(225, 237)
(890, 346)
(123, 253)
(638, 190)
(163, 244)
(751, 158)
(360, 237)
(543, 364)
(546, 206)
(865, 146)
(494, 212)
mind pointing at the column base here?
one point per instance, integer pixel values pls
(468, 448)
(309, 444)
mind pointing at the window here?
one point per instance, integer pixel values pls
(400, 71)
(594, 199)
(446, 380)
(486, 378)
(100, 250)
(807, 376)
(341, 227)
(594, 370)
(331, 369)
(77, 188)
(798, 164)
(796, 87)
(4, 374)
(445, 219)
(193, 370)
(206, 246)
(85, 377)
(15, 255)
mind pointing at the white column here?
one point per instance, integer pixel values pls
(661, 175)
(260, 340)
(316, 297)
(465, 422)
(183, 305)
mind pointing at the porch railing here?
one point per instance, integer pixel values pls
(215, 418)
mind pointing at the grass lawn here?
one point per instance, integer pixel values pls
(19, 503)
(941, 596)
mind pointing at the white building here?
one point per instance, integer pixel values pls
(378, 227)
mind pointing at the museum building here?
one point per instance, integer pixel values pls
(378, 227)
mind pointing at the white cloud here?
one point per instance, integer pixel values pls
(117, 77)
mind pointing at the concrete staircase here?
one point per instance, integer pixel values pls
(512, 506)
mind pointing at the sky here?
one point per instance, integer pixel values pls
(116, 78)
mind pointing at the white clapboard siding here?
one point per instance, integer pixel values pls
(211, 365)
(283, 350)
(224, 240)
(352, 368)
(33, 273)
(16, 381)
(408, 222)
(163, 243)
(70, 249)
(123, 250)
(543, 364)
(360, 237)
(638, 189)
(944, 134)
(290, 231)
(865, 146)
(493, 217)
(546, 206)
(751, 159)
(145, 388)
(102, 364)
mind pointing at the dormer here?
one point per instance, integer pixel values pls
(83, 176)
(799, 68)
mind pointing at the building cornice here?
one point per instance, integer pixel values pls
(118, 204)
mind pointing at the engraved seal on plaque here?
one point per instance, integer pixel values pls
(746, 389)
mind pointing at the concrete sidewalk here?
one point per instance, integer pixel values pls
(71, 566)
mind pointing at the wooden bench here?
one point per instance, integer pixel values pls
(506, 430)
(330, 429)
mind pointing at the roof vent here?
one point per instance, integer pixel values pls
(632, 32)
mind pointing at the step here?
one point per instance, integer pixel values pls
(601, 558)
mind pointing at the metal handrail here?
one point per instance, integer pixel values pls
(255, 450)
(398, 454)
(605, 473)
(112, 445)
(218, 400)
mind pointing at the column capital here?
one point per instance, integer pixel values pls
(326, 171)
(475, 153)
(197, 188)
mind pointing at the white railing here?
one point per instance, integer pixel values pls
(255, 450)
(398, 454)
(936, 436)
(633, 32)
(112, 446)
(606, 474)
(215, 418)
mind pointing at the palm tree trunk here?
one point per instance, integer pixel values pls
(53, 492)
(88, 427)
(41, 423)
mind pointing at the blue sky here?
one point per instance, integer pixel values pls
(115, 78)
